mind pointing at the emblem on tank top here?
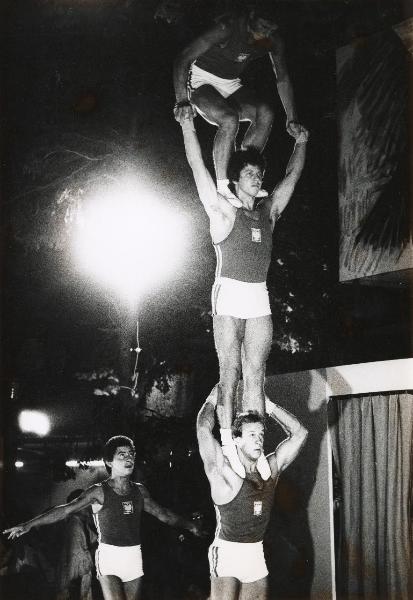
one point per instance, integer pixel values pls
(255, 234)
(257, 508)
(242, 57)
(127, 507)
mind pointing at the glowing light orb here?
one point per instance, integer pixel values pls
(128, 239)
(34, 421)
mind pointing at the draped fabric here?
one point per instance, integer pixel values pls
(372, 450)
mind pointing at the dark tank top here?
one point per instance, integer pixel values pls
(119, 520)
(245, 254)
(229, 59)
(246, 517)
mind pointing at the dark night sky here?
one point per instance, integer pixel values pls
(95, 78)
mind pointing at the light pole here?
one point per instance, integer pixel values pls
(130, 241)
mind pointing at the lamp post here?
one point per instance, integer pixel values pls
(130, 241)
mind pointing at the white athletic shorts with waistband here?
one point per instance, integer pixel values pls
(244, 561)
(124, 562)
(240, 299)
(225, 87)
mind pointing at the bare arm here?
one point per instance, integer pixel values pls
(90, 496)
(289, 449)
(183, 63)
(283, 191)
(209, 449)
(284, 86)
(165, 515)
(219, 210)
(224, 481)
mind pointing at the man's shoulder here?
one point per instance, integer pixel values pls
(96, 492)
(140, 488)
(96, 486)
(225, 486)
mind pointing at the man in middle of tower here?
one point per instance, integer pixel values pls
(242, 238)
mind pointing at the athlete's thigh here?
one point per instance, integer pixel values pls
(245, 101)
(133, 589)
(112, 587)
(256, 590)
(257, 340)
(212, 106)
(229, 334)
(224, 588)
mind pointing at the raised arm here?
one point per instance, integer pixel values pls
(90, 496)
(183, 62)
(209, 449)
(283, 191)
(284, 86)
(167, 516)
(216, 207)
(288, 449)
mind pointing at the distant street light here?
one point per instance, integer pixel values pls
(89, 463)
(34, 421)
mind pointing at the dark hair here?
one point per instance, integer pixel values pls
(110, 448)
(242, 158)
(264, 9)
(249, 416)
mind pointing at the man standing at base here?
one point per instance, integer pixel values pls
(243, 506)
(207, 80)
(117, 505)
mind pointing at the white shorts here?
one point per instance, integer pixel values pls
(225, 87)
(244, 561)
(124, 562)
(240, 299)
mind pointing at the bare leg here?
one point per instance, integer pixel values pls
(258, 113)
(224, 588)
(256, 590)
(86, 586)
(228, 335)
(256, 347)
(216, 110)
(112, 587)
(133, 589)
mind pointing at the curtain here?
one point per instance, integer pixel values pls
(372, 450)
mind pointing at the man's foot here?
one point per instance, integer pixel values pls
(230, 451)
(263, 467)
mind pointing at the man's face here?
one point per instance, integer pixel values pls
(252, 440)
(262, 28)
(123, 461)
(250, 180)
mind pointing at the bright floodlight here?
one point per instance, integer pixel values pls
(34, 421)
(19, 464)
(128, 239)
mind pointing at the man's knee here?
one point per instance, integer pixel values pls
(228, 120)
(253, 369)
(230, 372)
(265, 113)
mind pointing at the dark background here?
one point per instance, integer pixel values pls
(87, 93)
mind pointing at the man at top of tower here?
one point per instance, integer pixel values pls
(207, 80)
